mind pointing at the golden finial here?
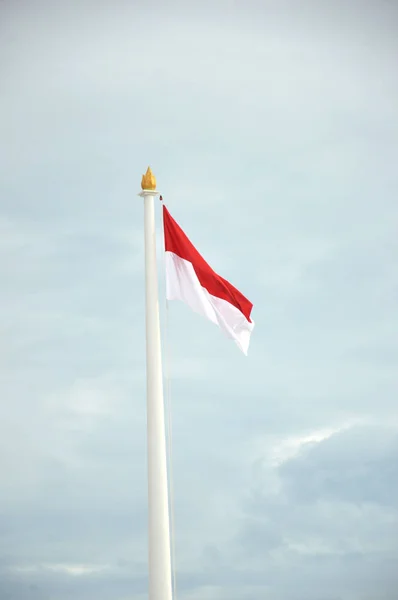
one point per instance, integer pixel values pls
(148, 181)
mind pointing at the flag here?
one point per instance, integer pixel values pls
(190, 279)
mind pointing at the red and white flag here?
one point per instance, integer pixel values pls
(189, 278)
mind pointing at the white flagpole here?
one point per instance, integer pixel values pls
(159, 561)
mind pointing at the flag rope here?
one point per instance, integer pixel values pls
(169, 432)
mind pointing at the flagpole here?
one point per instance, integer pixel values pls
(159, 560)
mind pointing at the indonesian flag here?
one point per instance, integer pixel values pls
(189, 278)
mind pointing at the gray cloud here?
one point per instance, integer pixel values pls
(330, 528)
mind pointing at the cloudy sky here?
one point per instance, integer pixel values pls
(272, 128)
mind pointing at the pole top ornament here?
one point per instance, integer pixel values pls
(148, 181)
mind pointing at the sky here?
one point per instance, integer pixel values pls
(272, 129)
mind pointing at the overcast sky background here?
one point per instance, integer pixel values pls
(272, 128)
